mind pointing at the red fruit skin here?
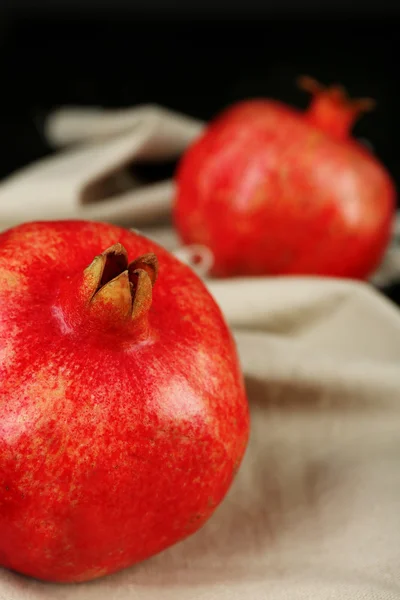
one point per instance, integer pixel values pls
(274, 191)
(112, 447)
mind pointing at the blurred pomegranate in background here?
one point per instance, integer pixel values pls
(271, 190)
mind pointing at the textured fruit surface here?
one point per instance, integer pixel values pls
(271, 190)
(123, 415)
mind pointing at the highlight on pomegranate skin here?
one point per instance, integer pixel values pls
(123, 414)
(272, 190)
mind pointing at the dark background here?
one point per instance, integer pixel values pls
(194, 57)
(195, 63)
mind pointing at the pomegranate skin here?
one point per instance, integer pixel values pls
(271, 190)
(119, 435)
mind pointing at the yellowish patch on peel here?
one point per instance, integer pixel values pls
(313, 139)
(258, 198)
(7, 352)
(212, 364)
(46, 389)
(90, 574)
(42, 399)
(45, 411)
(36, 402)
(10, 280)
(38, 242)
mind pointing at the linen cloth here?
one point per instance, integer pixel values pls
(314, 513)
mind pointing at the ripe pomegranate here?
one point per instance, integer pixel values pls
(271, 190)
(123, 416)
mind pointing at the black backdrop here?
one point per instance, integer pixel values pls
(195, 66)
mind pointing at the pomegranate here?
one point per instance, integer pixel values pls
(123, 415)
(270, 190)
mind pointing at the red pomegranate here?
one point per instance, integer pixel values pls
(271, 190)
(123, 416)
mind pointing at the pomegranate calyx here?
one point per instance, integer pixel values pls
(116, 290)
(116, 294)
(141, 287)
(104, 267)
(148, 263)
(331, 108)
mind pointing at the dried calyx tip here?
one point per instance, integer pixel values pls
(313, 87)
(121, 287)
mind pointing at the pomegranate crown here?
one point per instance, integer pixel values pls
(331, 108)
(112, 292)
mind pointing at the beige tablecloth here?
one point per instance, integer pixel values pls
(314, 513)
